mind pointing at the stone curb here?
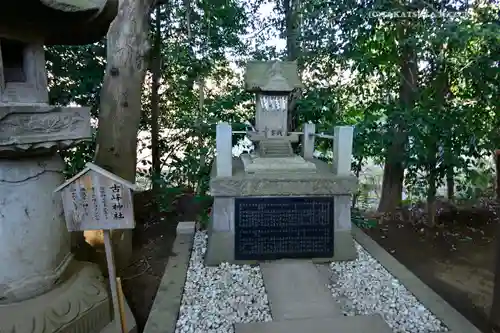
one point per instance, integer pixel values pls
(165, 309)
(455, 322)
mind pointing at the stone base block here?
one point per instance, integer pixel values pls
(79, 303)
(299, 183)
(221, 233)
(220, 248)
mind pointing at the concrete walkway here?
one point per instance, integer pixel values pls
(301, 302)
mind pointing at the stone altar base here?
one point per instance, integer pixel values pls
(78, 304)
(322, 183)
(81, 303)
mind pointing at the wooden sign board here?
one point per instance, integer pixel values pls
(96, 201)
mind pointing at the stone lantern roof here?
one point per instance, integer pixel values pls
(65, 22)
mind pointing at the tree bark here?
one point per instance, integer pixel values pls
(357, 172)
(431, 187)
(155, 102)
(450, 183)
(497, 173)
(392, 184)
(120, 104)
(292, 31)
(392, 187)
(201, 143)
(495, 306)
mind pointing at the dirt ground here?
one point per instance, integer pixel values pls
(455, 259)
(152, 247)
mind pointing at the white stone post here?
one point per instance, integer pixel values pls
(342, 150)
(342, 153)
(224, 149)
(308, 141)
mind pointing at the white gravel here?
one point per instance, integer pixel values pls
(217, 297)
(364, 286)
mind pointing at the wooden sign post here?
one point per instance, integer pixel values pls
(96, 199)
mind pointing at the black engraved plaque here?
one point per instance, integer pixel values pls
(283, 227)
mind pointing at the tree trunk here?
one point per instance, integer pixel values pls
(120, 104)
(431, 189)
(495, 306)
(292, 30)
(392, 187)
(357, 172)
(431, 201)
(155, 103)
(497, 173)
(392, 184)
(450, 183)
(201, 141)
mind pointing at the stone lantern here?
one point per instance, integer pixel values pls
(42, 287)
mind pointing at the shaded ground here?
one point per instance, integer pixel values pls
(152, 247)
(456, 258)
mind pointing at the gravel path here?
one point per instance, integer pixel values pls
(364, 286)
(217, 297)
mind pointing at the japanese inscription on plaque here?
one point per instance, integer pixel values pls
(94, 201)
(284, 227)
(271, 117)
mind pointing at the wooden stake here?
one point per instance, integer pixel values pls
(121, 304)
(112, 279)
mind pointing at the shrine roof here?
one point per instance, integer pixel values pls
(92, 167)
(64, 22)
(272, 76)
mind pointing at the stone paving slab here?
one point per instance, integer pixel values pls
(297, 290)
(356, 324)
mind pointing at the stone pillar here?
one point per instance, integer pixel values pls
(342, 150)
(224, 149)
(34, 245)
(342, 154)
(308, 141)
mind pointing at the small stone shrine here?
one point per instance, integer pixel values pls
(42, 287)
(274, 204)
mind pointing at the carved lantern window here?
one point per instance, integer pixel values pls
(23, 78)
(12, 55)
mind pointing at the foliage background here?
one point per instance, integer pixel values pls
(355, 60)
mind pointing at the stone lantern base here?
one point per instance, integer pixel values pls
(81, 303)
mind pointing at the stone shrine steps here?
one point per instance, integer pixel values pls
(301, 302)
(275, 148)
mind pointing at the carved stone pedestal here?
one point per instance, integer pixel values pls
(77, 304)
